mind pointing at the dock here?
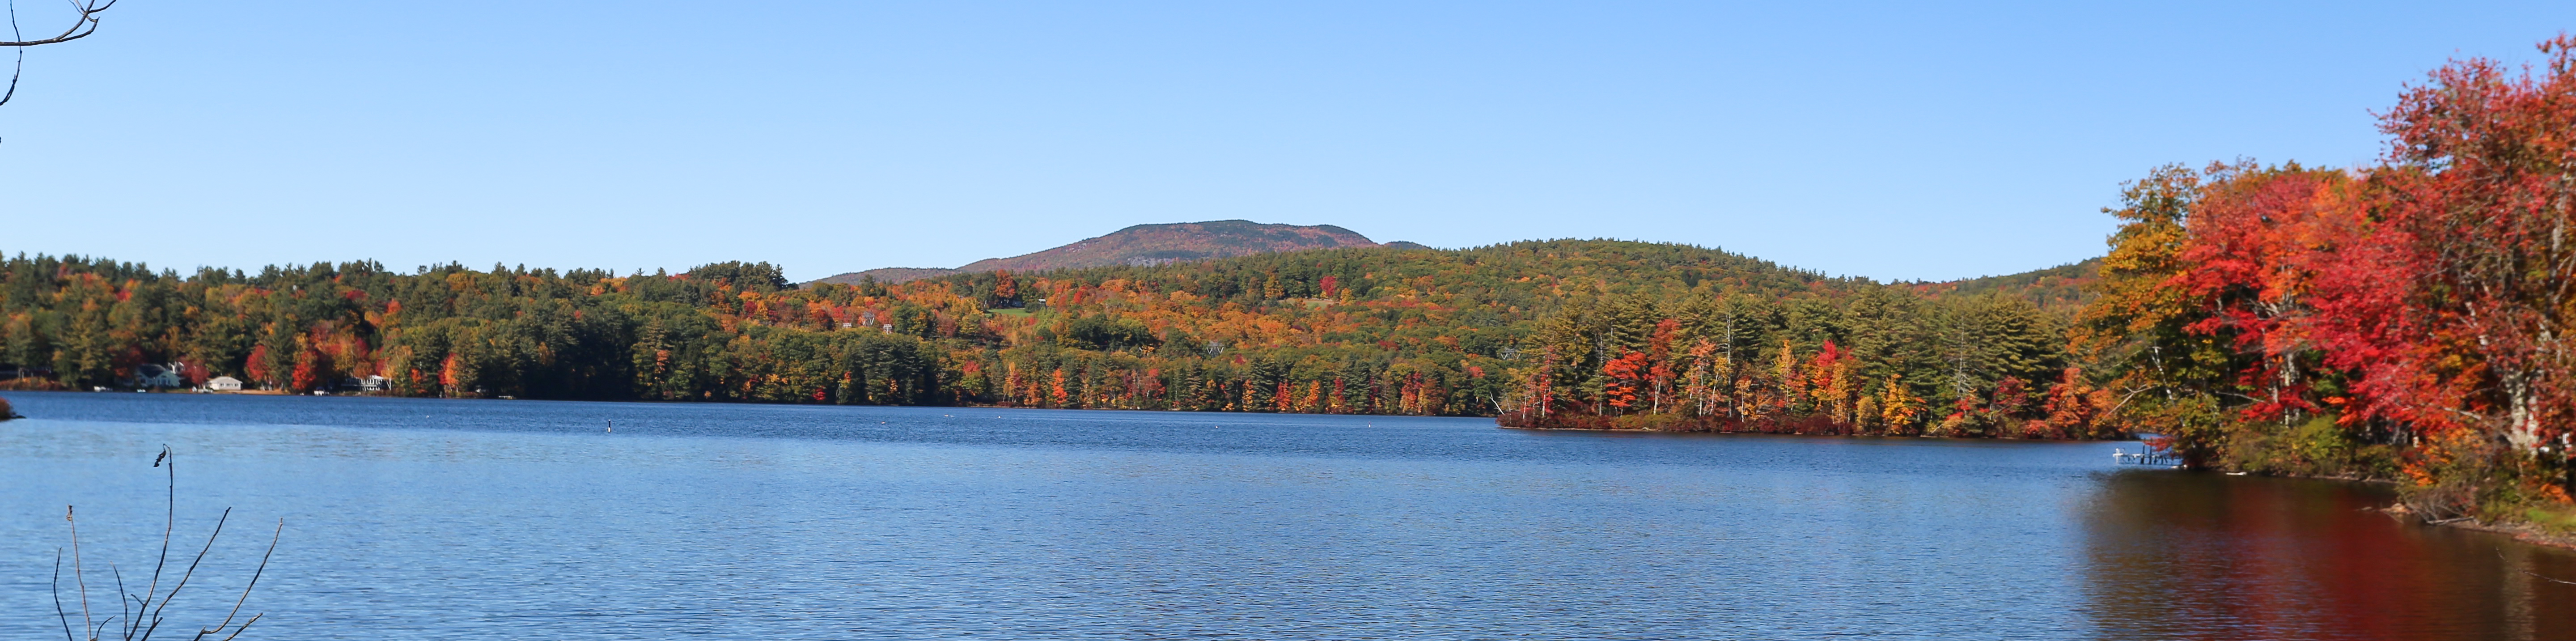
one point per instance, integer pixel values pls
(2146, 455)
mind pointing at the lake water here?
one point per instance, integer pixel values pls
(430, 519)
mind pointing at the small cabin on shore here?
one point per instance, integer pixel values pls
(157, 376)
(224, 384)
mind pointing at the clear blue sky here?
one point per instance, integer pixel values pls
(1894, 141)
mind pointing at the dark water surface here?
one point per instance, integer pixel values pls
(426, 519)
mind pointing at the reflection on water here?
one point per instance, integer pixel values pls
(427, 519)
(2206, 556)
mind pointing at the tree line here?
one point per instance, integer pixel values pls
(1374, 331)
(2400, 320)
(2405, 320)
(1875, 361)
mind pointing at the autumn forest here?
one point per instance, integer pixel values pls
(2401, 321)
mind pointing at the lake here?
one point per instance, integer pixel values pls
(439, 519)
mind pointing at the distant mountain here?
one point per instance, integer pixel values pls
(891, 274)
(1150, 245)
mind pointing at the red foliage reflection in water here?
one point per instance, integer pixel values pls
(2179, 555)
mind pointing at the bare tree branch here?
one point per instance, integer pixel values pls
(79, 578)
(192, 571)
(58, 597)
(138, 616)
(85, 23)
(169, 521)
(21, 66)
(254, 582)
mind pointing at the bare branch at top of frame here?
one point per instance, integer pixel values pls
(85, 22)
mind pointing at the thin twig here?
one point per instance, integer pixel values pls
(22, 56)
(254, 582)
(79, 579)
(245, 625)
(192, 571)
(2500, 557)
(124, 599)
(83, 25)
(58, 597)
(102, 625)
(142, 613)
(2543, 578)
(169, 521)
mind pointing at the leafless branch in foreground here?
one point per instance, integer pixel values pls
(141, 613)
(84, 22)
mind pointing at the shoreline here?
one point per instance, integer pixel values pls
(1959, 438)
(2522, 532)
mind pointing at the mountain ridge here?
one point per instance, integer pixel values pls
(1146, 245)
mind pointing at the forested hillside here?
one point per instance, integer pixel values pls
(1372, 330)
(2405, 321)
(2063, 289)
